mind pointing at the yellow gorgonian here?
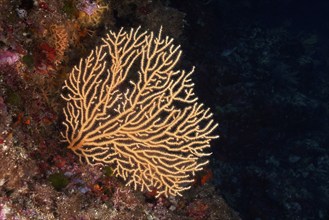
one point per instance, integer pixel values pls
(129, 107)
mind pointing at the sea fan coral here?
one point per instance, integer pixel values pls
(127, 105)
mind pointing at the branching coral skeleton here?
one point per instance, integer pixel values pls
(128, 106)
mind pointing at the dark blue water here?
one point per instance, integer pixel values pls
(263, 68)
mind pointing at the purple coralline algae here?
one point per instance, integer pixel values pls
(3, 211)
(8, 57)
(87, 6)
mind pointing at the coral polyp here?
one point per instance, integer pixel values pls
(87, 6)
(90, 11)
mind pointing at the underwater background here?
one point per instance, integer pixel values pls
(261, 66)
